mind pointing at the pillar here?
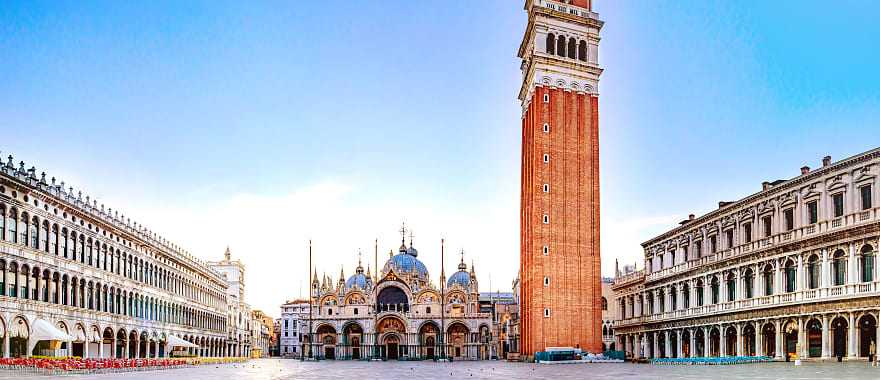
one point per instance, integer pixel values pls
(851, 342)
(739, 340)
(802, 346)
(826, 338)
(706, 346)
(693, 339)
(667, 350)
(101, 349)
(722, 341)
(86, 348)
(678, 343)
(637, 347)
(779, 341)
(852, 264)
(759, 339)
(6, 344)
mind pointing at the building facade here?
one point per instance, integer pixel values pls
(398, 314)
(559, 217)
(609, 315)
(294, 328)
(261, 334)
(119, 290)
(788, 271)
(238, 312)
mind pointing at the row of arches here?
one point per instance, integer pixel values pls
(392, 341)
(566, 47)
(21, 280)
(48, 236)
(92, 341)
(845, 335)
(785, 275)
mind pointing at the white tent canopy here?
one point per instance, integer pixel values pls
(43, 330)
(174, 341)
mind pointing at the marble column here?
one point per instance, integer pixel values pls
(707, 348)
(667, 350)
(779, 341)
(759, 339)
(655, 353)
(637, 347)
(678, 343)
(6, 344)
(722, 341)
(851, 342)
(739, 340)
(692, 350)
(802, 346)
(826, 338)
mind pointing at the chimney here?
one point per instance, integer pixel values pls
(805, 170)
(691, 217)
(826, 161)
(765, 185)
(723, 203)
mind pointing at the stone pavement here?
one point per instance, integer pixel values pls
(263, 369)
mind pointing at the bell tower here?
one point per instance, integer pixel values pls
(559, 211)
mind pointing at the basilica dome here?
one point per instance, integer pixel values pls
(462, 277)
(358, 280)
(405, 262)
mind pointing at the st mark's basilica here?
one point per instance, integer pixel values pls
(397, 314)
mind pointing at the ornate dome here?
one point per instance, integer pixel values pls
(358, 280)
(405, 262)
(461, 278)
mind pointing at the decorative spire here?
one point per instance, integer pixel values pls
(462, 265)
(403, 237)
(360, 268)
(227, 254)
(341, 273)
(368, 270)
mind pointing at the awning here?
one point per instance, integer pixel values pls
(174, 341)
(42, 330)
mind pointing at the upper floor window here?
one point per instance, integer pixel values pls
(730, 238)
(546, 158)
(837, 200)
(813, 267)
(748, 284)
(546, 128)
(813, 211)
(731, 287)
(838, 267)
(747, 232)
(604, 304)
(865, 192)
(551, 43)
(546, 98)
(767, 222)
(698, 249)
(866, 262)
(788, 215)
(713, 244)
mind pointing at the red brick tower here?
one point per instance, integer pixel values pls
(559, 216)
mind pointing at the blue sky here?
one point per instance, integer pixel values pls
(260, 125)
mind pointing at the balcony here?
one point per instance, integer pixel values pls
(849, 220)
(866, 289)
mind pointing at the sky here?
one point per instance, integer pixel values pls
(262, 125)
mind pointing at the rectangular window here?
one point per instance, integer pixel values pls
(546, 98)
(698, 249)
(546, 250)
(747, 232)
(546, 281)
(546, 312)
(713, 244)
(729, 239)
(767, 221)
(813, 211)
(866, 197)
(789, 219)
(546, 219)
(546, 128)
(546, 158)
(837, 199)
(546, 188)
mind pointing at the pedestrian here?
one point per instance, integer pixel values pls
(872, 354)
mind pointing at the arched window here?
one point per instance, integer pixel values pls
(790, 276)
(813, 269)
(551, 43)
(768, 280)
(715, 290)
(700, 291)
(731, 287)
(2, 222)
(839, 268)
(604, 303)
(35, 233)
(582, 51)
(44, 236)
(866, 262)
(748, 284)
(12, 223)
(673, 297)
(23, 233)
(686, 292)
(560, 46)
(572, 50)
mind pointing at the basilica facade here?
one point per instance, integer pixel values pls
(397, 314)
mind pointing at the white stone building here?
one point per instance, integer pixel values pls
(294, 328)
(72, 266)
(238, 330)
(790, 270)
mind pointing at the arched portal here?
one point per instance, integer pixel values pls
(107, 342)
(700, 342)
(714, 342)
(748, 338)
(814, 338)
(768, 337)
(19, 331)
(352, 336)
(392, 298)
(121, 343)
(838, 327)
(458, 334)
(327, 338)
(673, 342)
(686, 344)
(390, 329)
(428, 339)
(730, 341)
(867, 334)
(790, 339)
